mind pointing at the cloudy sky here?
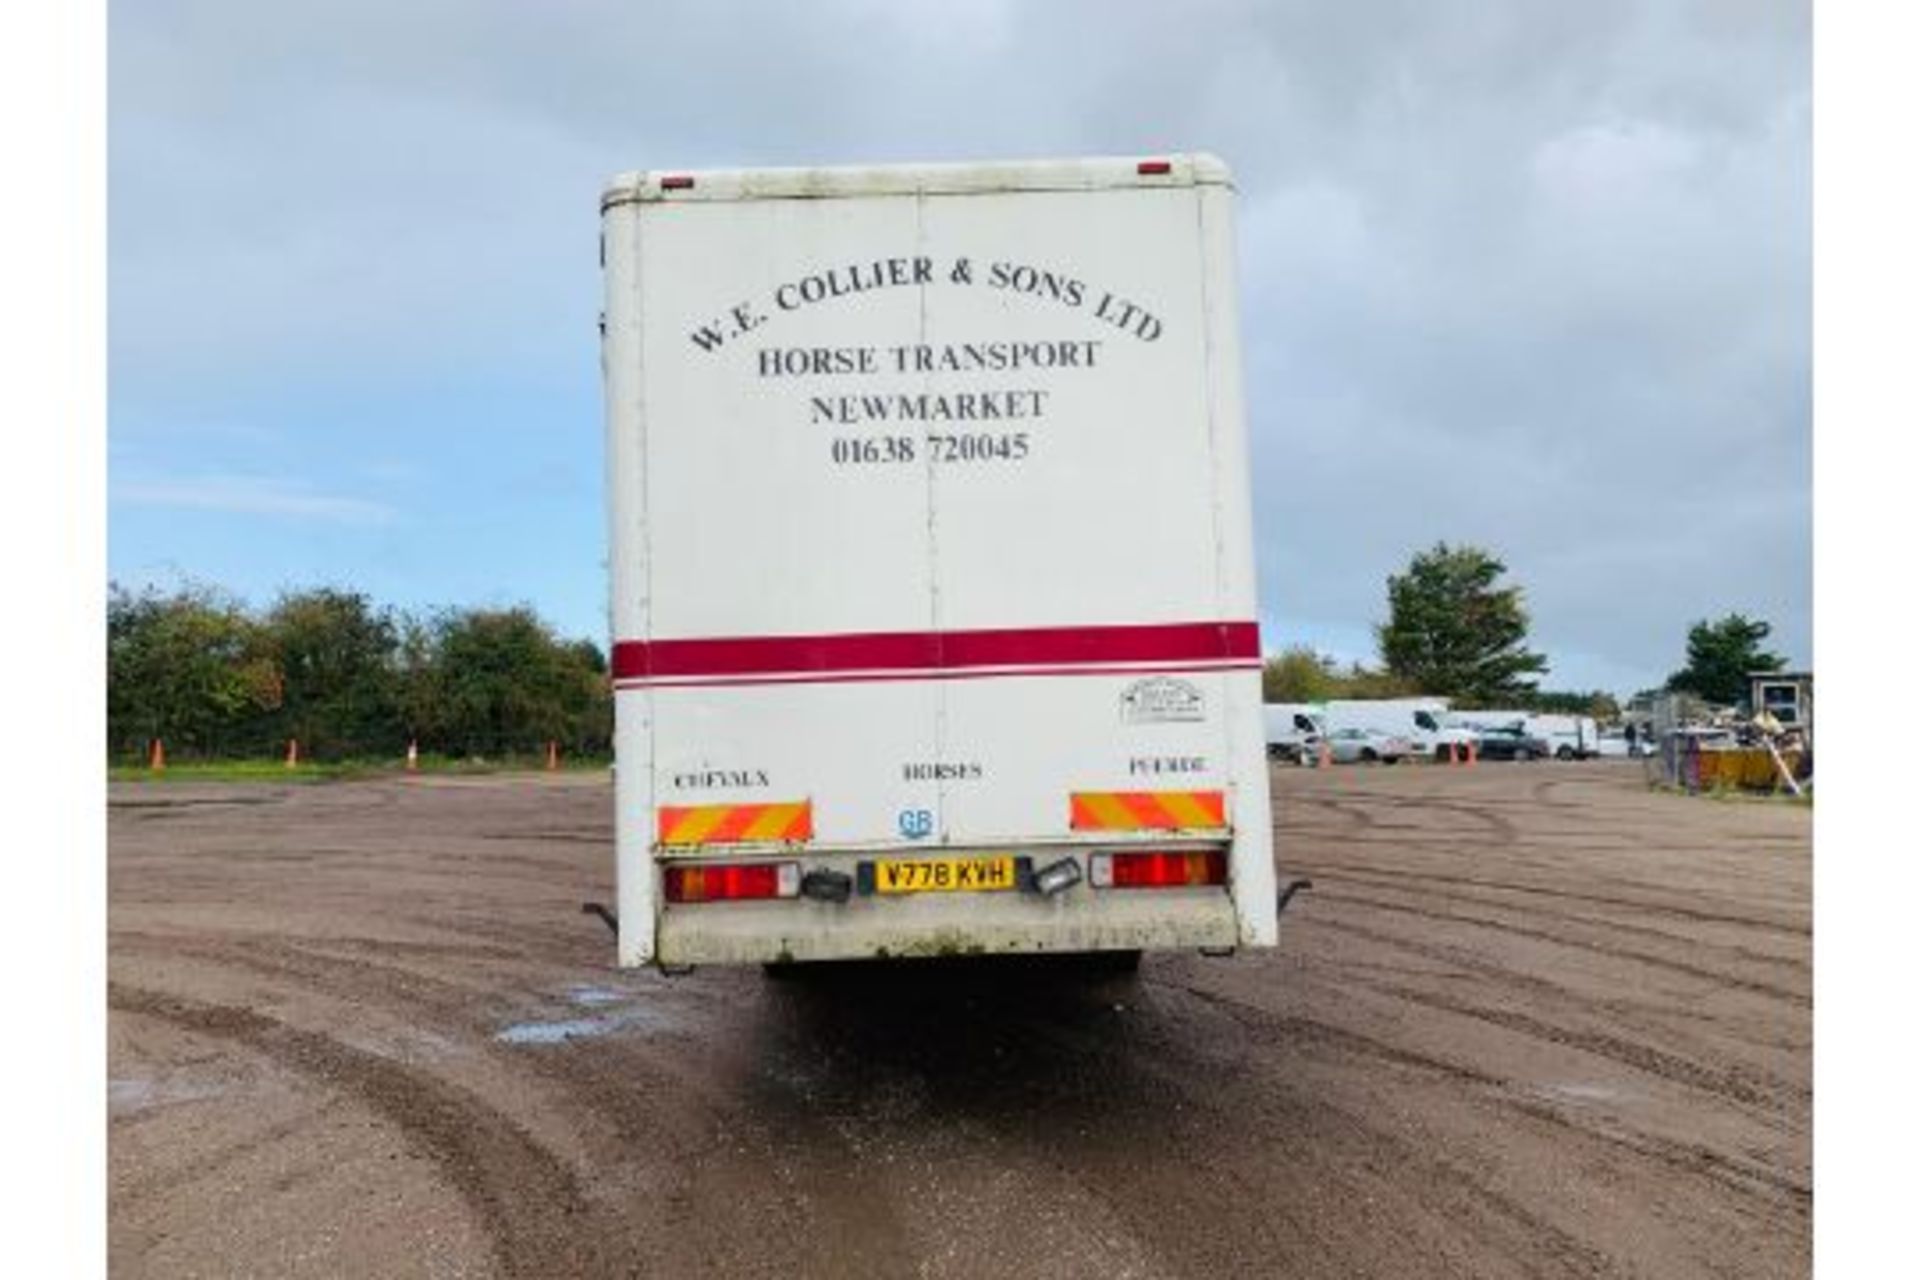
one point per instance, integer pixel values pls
(1531, 275)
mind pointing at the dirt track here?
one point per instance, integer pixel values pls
(1534, 1020)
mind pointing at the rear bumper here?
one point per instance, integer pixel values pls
(1078, 919)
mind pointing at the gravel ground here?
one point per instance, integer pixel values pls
(1533, 1020)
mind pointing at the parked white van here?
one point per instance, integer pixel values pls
(1294, 729)
(1421, 721)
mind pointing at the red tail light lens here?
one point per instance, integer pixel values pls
(731, 881)
(1157, 870)
(1150, 168)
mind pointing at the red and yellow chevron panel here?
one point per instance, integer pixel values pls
(735, 823)
(1149, 810)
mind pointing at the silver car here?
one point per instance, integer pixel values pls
(1365, 746)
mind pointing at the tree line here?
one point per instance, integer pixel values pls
(351, 679)
(345, 677)
(1455, 630)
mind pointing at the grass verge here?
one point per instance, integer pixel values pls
(276, 771)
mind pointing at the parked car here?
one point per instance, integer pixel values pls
(1567, 737)
(1512, 744)
(1352, 745)
(1418, 720)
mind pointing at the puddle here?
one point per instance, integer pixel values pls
(587, 1028)
(555, 1032)
(129, 1095)
(126, 1094)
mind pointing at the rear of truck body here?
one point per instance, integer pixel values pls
(931, 552)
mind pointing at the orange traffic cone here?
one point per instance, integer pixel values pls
(1473, 751)
(413, 757)
(157, 756)
(293, 753)
(553, 754)
(1326, 754)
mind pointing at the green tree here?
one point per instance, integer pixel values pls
(503, 684)
(189, 668)
(1452, 632)
(593, 722)
(417, 681)
(1300, 675)
(346, 677)
(337, 652)
(1598, 704)
(1359, 681)
(1720, 656)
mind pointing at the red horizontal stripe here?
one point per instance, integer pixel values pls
(935, 651)
(985, 673)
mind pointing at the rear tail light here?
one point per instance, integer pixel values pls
(731, 881)
(1157, 870)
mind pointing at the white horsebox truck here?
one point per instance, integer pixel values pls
(932, 564)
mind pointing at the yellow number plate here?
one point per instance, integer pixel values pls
(943, 875)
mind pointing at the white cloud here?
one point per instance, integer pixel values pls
(250, 495)
(1531, 274)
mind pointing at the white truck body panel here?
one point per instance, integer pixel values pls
(929, 510)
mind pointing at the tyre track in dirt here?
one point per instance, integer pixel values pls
(1704, 973)
(1354, 820)
(1494, 824)
(1691, 915)
(1478, 1052)
(508, 1180)
(1764, 1094)
(1349, 1139)
(1612, 923)
(1774, 1189)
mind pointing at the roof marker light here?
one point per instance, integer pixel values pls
(677, 182)
(1149, 168)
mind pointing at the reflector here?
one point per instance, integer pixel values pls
(731, 881)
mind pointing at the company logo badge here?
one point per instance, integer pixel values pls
(1162, 700)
